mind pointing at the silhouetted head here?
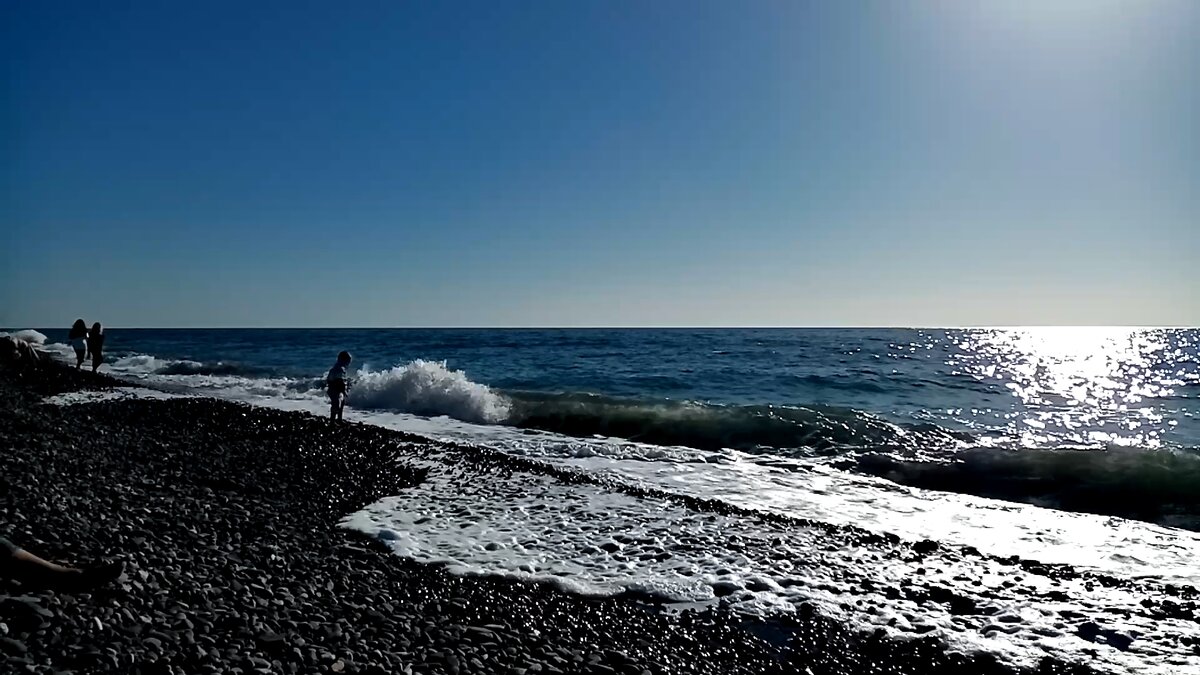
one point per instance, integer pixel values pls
(78, 329)
(344, 358)
(97, 328)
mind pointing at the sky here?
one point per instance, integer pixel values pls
(559, 163)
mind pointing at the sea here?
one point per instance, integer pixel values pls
(1064, 445)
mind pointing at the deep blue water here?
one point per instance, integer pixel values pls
(1037, 387)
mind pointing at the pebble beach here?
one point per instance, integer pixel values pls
(227, 517)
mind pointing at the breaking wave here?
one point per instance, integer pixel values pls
(1161, 486)
(428, 388)
(1157, 486)
(200, 368)
(714, 427)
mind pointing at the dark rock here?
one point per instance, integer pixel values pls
(271, 641)
(1118, 640)
(925, 547)
(23, 614)
(13, 647)
(724, 588)
(1088, 630)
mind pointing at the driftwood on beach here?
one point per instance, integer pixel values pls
(226, 518)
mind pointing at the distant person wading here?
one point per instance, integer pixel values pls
(337, 386)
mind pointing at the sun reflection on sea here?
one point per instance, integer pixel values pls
(1087, 385)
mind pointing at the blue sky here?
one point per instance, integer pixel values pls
(600, 163)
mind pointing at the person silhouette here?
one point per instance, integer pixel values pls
(337, 386)
(78, 339)
(95, 345)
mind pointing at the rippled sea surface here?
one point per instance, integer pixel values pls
(1035, 387)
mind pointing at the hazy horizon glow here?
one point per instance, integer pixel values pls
(601, 164)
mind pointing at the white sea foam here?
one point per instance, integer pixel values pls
(427, 388)
(29, 335)
(95, 396)
(597, 540)
(143, 364)
(806, 489)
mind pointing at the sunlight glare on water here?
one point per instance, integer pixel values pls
(1081, 384)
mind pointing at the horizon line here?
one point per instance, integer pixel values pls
(654, 327)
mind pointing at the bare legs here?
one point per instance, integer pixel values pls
(28, 561)
(26, 566)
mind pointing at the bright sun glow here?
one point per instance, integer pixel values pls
(1055, 29)
(1056, 14)
(1076, 378)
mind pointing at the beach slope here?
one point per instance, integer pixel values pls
(226, 517)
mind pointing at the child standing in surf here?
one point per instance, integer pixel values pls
(337, 386)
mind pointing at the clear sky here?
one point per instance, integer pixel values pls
(600, 163)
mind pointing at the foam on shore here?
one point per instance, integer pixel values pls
(592, 539)
(97, 395)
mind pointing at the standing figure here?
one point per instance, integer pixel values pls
(78, 339)
(95, 345)
(336, 385)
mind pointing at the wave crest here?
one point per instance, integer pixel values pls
(714, 427)
(137, 363)
(145, 364)
(200, 368)
(1153, 485)
(428, 388)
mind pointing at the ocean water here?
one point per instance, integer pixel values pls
(1010, 441)
(778, 390)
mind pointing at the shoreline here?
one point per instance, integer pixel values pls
(227, 518)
